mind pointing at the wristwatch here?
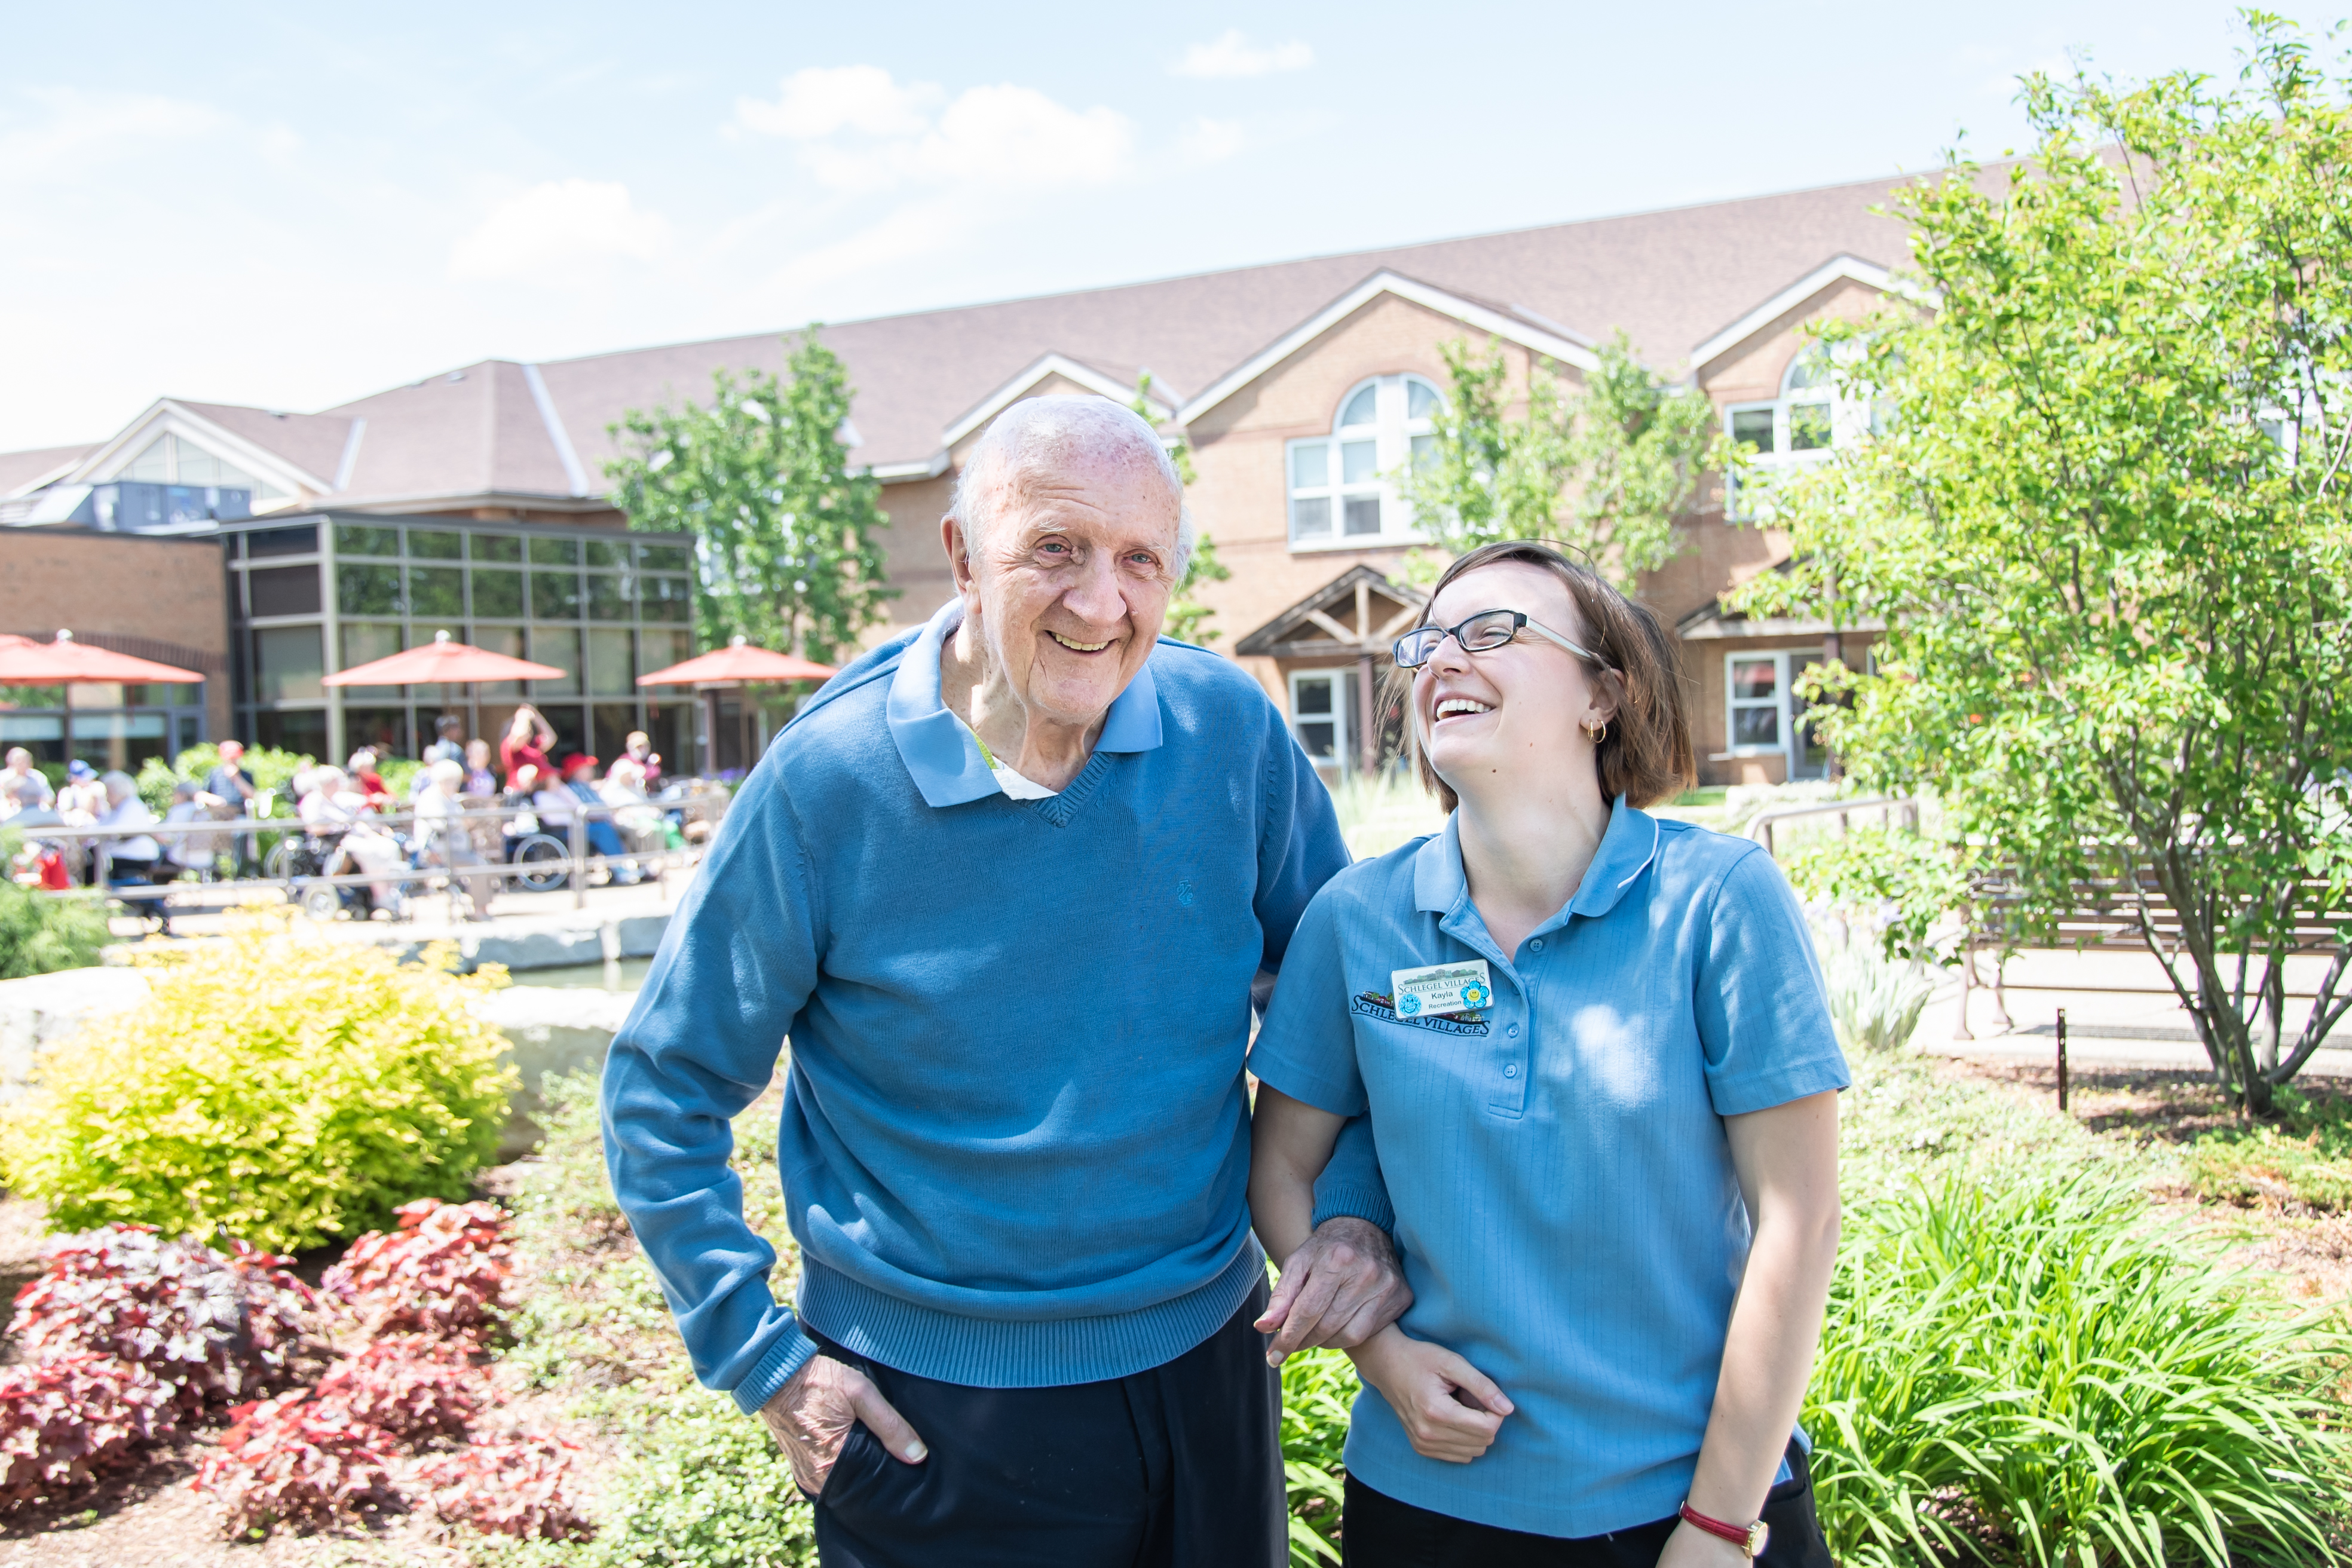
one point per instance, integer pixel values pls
(1748, 1538)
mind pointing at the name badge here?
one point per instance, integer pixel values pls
(1441, 988)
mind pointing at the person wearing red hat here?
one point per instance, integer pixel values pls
(559, 803)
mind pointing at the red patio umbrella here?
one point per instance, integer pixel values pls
(445, 661)
(67, 663)
(734, 665)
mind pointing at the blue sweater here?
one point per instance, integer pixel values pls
(1016, 1142)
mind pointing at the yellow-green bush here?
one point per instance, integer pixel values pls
(282, 1089)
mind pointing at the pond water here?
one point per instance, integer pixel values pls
(624, 974)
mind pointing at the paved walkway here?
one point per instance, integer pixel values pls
(2116, 1017)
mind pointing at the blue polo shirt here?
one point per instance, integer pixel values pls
(1565, 1200)
(1014, 1141)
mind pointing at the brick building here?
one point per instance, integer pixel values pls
(1299, 384)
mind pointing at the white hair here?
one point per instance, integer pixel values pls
(446, 770)
(1036, 431)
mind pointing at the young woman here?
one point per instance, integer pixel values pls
(1601, 1082)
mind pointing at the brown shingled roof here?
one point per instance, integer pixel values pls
(1667, 278)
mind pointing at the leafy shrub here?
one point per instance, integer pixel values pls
(519, 1487)
(41, 932)
(2029, 1373)
(271, 770)
(63, 1421)
(293, 1461)
(408, 1387)
(283, 1089)
(1891, 882)
(1874, 1004)
(207, 1325)
(441, 1274)
(1318, 1391)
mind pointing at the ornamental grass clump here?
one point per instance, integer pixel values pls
(2034, 1375)
(287, 1090)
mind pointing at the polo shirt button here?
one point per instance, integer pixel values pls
(1536, 945)
(1511, 1070)
(1513, 1031)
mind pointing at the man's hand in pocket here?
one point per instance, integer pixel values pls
(812, 1414)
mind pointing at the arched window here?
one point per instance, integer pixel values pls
(1340, 495)
(1805, 423)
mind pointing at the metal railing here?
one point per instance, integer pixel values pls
(492, 835)
(1760, 829)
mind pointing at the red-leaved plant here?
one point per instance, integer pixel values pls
(519, 1486)
(443, 1273)
(63, 1421)
(293, 1461)
(213, 1326)
(407, 1387)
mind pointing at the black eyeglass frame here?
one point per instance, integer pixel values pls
(1520, 622)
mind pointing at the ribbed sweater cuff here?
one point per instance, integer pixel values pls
(787, 1356)
(1350, 1201)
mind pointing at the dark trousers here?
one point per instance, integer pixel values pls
(1180, 1467)
(1379, 1532)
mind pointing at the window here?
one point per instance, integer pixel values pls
(1339, 495)
(1322, 715)
(1803, 425)
(1764, 712)
(174, 460)
(1756, 704)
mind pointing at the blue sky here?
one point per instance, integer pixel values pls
(230, 206)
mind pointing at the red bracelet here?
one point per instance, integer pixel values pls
(1748, 1538)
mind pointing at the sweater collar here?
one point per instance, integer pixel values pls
(1627, 850)
(938, 747)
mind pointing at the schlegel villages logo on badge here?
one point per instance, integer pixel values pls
(1441, 988)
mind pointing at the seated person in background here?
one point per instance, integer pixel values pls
(130, 862)
(190, 851)
(366, 780)
(479, 778)
(83, 796)
(330, 806)
(559, 801)
(443, 837)
(20, 770)
(640, 751)
(638, 820)
(32, 804)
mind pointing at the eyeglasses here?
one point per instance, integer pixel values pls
(1482, 633)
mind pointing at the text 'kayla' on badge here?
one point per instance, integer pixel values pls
(1441, 988)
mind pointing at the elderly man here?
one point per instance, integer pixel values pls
(1007, 883)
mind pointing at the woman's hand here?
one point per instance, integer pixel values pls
(1450, 1409)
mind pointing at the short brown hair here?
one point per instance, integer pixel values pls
(1646, 755)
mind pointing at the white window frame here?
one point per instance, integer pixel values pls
(1786, 668)
(1733, 704)
(1392, 433)
(1848, 420)
(1342, 716)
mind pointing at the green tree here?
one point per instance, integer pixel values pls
(1187, 616)
(2104, 522)
(784, 531)
(1605, 470)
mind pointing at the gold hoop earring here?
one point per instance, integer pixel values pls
(1596, 729)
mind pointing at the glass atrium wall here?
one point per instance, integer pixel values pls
(311, 596)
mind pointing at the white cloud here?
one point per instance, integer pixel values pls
(1234, 56)
(821, 101)
(554, 227)
(1210, 140)
(861, 131)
